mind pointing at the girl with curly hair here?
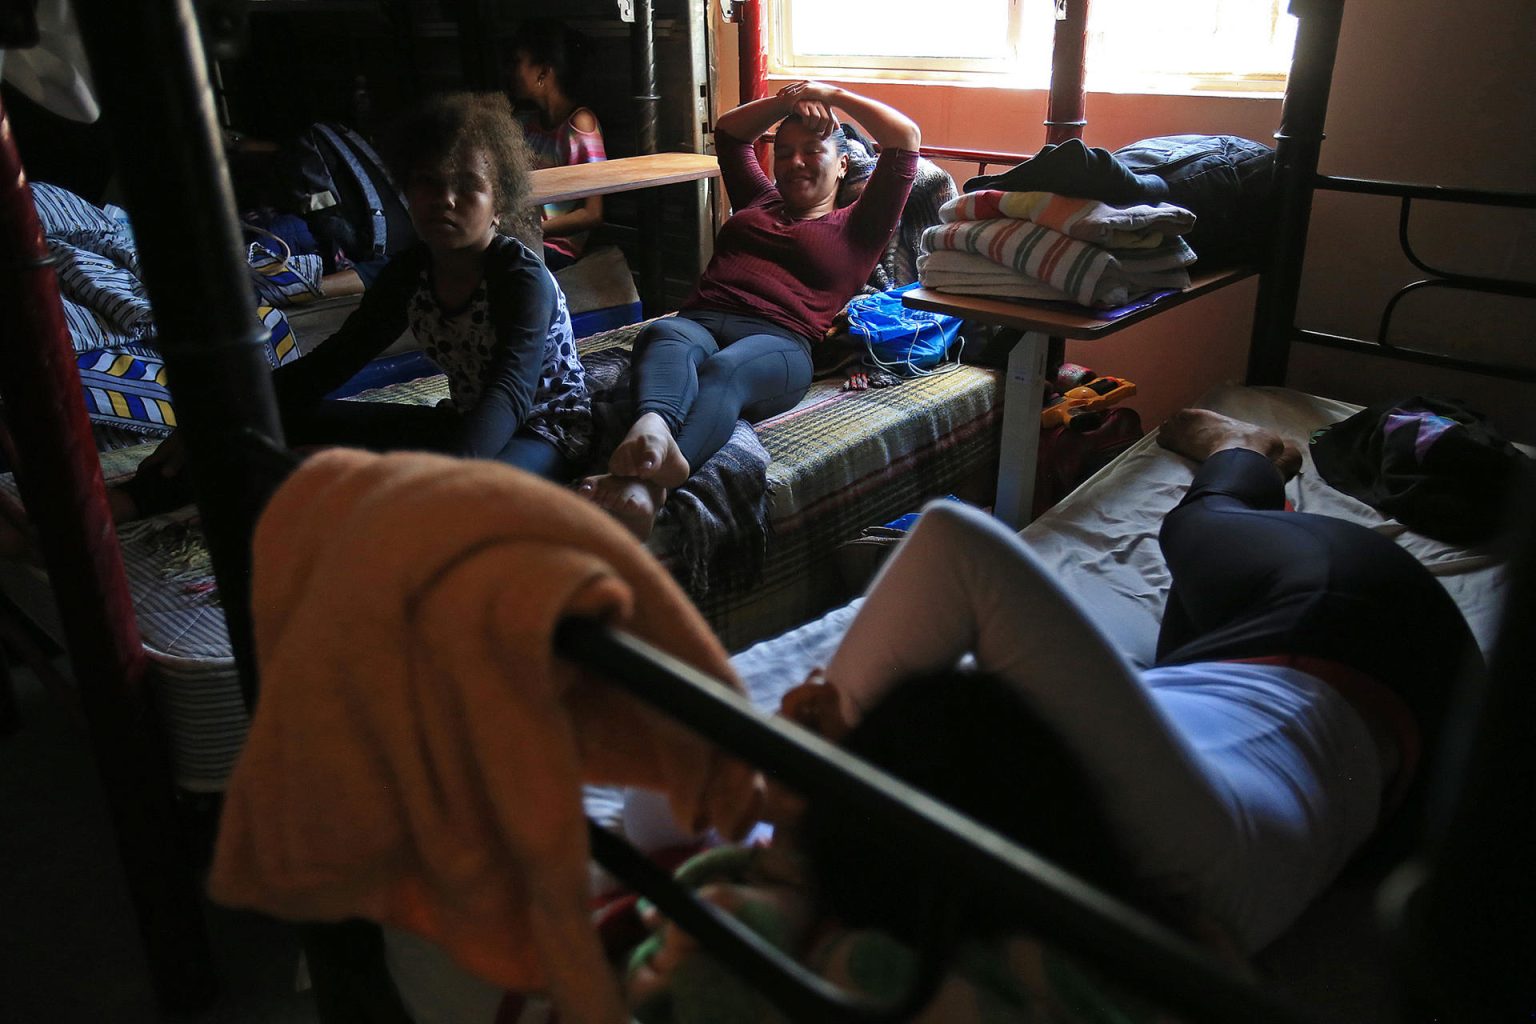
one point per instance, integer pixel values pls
(480, 303)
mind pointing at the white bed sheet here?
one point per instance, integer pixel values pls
(1101, 543)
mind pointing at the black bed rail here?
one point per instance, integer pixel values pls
(176, 186)
(1052, 903)
(1298, 145)
(1437, 279)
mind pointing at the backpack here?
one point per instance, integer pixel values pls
(902, 341)
(338, 183)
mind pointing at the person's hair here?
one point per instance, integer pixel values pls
(550, 41)
(445, 130)
(861, 163)
(969, 740)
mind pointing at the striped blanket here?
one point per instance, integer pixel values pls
(111, 324)
(1089, 274)
(1087, 220)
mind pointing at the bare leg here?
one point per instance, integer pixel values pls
(634, 503)
(649, 452)
(1200, 433)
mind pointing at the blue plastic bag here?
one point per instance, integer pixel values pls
(908, 342)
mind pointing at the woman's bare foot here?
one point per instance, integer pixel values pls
(1200, 433)
(634, 503)
(649, 452)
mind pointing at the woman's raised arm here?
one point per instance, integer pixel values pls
(886, 125)
(814, 102)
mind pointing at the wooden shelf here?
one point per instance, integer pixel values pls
(1059, 322)
(605, 177)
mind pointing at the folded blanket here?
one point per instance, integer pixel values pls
(417, 754)
(1089, 274)
(1087, 220)
(965, 274)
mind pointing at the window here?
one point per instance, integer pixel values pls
(1133, 45)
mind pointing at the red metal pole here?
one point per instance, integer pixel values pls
(1066, 111)
(60, 478)
(751, 19)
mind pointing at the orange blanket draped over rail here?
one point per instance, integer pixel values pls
(417, 750)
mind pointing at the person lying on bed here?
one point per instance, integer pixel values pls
(786, 261)
(1302, 665)
(480, 302)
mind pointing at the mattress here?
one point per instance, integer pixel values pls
(1101, 543)
(181, 626)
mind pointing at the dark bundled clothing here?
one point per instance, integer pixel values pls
(1224, 180)
(1435, 464)
(1072, 169)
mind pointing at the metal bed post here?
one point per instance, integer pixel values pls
(1298, 144)
(1066, 113)
(642, 36)
(60, 476)
(751, 19)
(177, 188)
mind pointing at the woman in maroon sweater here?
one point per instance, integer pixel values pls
(785, 263)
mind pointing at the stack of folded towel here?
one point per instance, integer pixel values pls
(1041, 245)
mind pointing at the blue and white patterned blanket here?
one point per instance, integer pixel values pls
(111, 325)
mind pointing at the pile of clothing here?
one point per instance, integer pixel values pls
(111, 325)
(1041, 245)
(1103, 229)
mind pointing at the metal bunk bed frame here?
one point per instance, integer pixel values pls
(167, 142)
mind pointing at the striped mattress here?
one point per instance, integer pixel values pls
(841, 461)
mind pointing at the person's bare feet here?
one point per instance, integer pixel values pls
(1200, 433)
(634, 503)
(649, 452)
